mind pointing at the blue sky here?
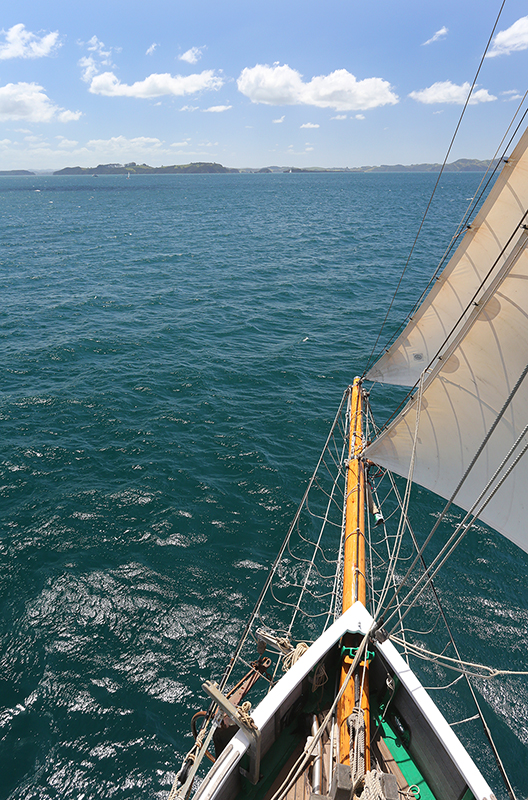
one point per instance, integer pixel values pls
(255, 84)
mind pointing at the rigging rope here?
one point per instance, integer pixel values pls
(521, 225)
(480, 714)
(485, 441)
(405, 505)
(434, 189)
(301, 762)
(472, 206)
(456, 664)
(278, 559)
(462, 529)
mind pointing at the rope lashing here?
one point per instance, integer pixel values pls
(244, 716)
(356, 729)
(293, 656)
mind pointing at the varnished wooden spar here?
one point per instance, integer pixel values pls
(354, 585)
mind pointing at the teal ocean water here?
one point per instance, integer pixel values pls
(174, 349)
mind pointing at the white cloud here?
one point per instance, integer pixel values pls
(151, 49)
(278, 121)
(291, 152)
(20, 43)
(339, 116)
(28, 101)
(512, 94)
(512, 39)
(190, 108)
(89, 68)
(69, 116)
(282, 85)
(156, 85)
(438, 35)
(360, 116)
(119, 143)
(95, 45)
(310, 125)
(63, 142)
(218, 109)
(192, 56)
(447, 92)
(60, 152)
(92, 65)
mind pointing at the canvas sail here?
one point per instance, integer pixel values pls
(475, 376)
(488, 242)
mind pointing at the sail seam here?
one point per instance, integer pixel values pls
(479, 304)
(445, 347)
(470, 209)
(464, 223)
(453, 542)
(436, 184)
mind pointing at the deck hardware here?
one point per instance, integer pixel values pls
(351, 653)
(246, 725)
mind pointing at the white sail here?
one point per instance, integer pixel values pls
(463, 395)
(486, 245)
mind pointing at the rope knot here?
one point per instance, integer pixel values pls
(244, 716)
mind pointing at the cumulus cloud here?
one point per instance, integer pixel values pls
(310, 125)
(28, 101)
(89, 68)
(510, 40)
(95, 45)
(447, 92)
(278, 121)
(69, 116)
(151, 49)
(192, 55)
(436, 36)
(340, 90)
(41, 153)
(63, 142)
(291, 152)
(20, 43)
(101, 56)
(155, 85)
(339, 116)
(218, 109)
(120, 143)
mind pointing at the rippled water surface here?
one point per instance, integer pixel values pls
(173, 351)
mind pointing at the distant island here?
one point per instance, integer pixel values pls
(144, 169)
(462, 165)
